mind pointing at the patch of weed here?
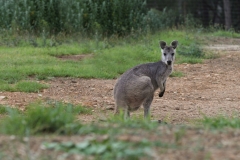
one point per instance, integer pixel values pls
(192, 50)
(177, 74)
(224, 33)
(190, 60)
(28, 86)
(221, 121)
(41, 118)
(115, 135)
(106, 149)
(75, 109)
(3, 109)
(23, 86)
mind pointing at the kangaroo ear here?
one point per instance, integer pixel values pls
(162, 44)
(174, 44)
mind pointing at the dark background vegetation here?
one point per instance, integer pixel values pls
(224, 13)
(118, 17)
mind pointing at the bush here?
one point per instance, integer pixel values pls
(156, 20)
(95, 17)
(106, 17)
(193, 50)
(39, 118)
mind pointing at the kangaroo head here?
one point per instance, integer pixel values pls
(168, 52)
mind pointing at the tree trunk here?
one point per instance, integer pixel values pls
(227, 14)
(205, 13)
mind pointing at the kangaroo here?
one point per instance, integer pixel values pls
(136, 86)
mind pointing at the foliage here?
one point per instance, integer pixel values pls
(156, 20)
(222, 33)
(96, 16)
(27, 86)
(109, 145)
(189, 60)
(204, 13)
(193, 50)
(177, 74)
(221, 121)
(40, 118)
(106, 149)
(3, 109)
(22, 86)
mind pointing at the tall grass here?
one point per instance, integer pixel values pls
(105, 17)
(221, 121)
(41, 117)
(95, 17)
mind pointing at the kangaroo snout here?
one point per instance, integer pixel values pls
(169, 62)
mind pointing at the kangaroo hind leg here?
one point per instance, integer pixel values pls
(146, 105)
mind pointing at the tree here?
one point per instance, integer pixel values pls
(227, 14)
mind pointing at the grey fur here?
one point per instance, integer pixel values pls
(136, 86)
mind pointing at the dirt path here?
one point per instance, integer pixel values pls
(210, 89)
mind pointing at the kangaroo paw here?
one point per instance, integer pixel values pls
(161, 94)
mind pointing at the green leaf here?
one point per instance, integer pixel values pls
(74, 151)
(118, 145)
(82, 145)
(67, 144)
(101, 149)
(50, 145)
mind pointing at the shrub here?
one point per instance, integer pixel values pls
(156, 20)
(193, 50)
(105, 17)
(27, 86)
(42, 118)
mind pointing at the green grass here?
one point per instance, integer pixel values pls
(177, 74)
(3, 109)
(23, 86)
(223, 33)
(39, 117)
(110, 57)
(221, 121)
(26, 86)
(190, 60)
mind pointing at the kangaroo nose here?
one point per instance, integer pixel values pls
(169, 62)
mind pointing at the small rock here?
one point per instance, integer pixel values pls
(177, 108)
(12, 137)
(2, 97)
(110, 108)
(25, 139)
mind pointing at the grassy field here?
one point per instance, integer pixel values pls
(23, 65)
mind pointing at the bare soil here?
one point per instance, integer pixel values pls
(210, 89)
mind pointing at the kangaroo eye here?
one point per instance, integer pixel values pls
(164, 54)
(172, 54)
